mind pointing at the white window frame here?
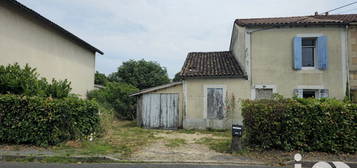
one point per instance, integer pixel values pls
(205, 87)
(312, 87)
(315, 56)
(253, 92)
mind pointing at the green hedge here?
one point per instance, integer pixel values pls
(325, 125)
(45, 121)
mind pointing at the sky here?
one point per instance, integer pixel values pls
(164, 31)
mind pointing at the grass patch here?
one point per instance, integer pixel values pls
(106, 119)
(117, 138)
(174, 143)
(123, 138)
(221, 145)
(214, 132)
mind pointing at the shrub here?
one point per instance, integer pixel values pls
(141, 74)
(325, 125)
(58, 89)
(100, 78)
(15, 80)
(25, 81)
(45, 121)
(116, 96)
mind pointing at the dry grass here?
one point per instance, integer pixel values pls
(121, 140)
(174, 143)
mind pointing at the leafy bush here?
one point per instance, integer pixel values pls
(100, 78)
(141, 74)
(325, 125)
(25, 81)
(116, 96)
(45, 121)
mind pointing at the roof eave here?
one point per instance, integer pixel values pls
(148, 90)
(289, 24)
(55, 26)
(216, 76)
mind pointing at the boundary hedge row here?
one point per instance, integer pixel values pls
(325, 125)
(45, 121)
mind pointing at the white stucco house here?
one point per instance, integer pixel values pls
(26, 37)
(302, 56)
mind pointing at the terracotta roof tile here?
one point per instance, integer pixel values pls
(211, 64)
(299, 20)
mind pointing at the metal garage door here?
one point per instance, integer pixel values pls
(160, 110)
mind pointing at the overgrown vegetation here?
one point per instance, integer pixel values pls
(100, 78)
(130, 77)
(34, 111)
(106, 116)
(325, 125)
(116, 96)
(25, 81)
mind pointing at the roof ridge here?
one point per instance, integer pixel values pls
(283, 17)
(336, 19)
(207, 52)
(272, 17)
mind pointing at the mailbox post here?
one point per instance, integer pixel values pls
(237, 132)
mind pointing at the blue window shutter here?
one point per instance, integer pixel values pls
(322, 55)
(297, 53)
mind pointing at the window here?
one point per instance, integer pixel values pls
(263, 94)
(312, 93)
(309, 93)
(215, 103)
(308, 52)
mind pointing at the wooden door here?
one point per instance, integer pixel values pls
(160, 110)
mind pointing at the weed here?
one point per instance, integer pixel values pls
(221, 145)
(174, 143)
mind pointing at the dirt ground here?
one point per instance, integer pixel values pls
(189, 151)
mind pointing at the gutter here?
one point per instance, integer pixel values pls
(348, 63)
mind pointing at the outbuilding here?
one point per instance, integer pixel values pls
(161, 106)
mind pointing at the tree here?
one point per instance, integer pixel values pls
(100, 78)
(177, 77)
(141, 74)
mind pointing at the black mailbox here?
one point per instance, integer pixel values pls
(237, 130)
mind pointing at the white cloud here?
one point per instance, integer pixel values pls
(163, 30)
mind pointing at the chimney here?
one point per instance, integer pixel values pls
(316, 13)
